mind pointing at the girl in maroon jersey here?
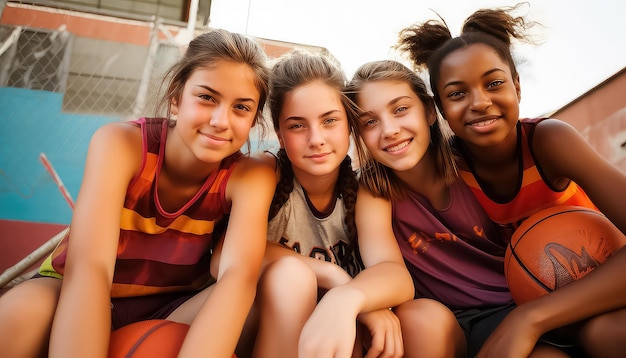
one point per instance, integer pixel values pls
(450, 246)
(142, 229)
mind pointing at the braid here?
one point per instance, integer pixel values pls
(284, 186)
(347, 187)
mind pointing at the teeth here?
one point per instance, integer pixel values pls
(484, 123)
(397, 147)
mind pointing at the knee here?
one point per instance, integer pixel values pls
(288, 279)
(419, 315)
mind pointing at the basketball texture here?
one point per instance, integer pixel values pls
(152, 338)
(555, 247)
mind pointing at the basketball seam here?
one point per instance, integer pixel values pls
(144, 337)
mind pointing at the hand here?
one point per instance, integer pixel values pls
(386, 336)
(330, 331)
(514, 337)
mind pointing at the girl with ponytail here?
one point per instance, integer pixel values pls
(516, 167)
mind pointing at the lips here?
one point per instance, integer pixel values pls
(483, 122)
(215, 138)
(398, 146)
(316, 156)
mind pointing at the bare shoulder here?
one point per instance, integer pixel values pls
(554, 129)
(556, 141)
(253, 172)
(118, 133)
(268, 158)
(119, 144)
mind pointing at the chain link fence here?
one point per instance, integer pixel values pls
(61, 81)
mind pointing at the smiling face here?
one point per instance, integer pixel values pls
(393, 125)
(313, 129)
(479, 96)
(216, 110)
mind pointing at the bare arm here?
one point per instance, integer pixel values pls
(216, 329)
(563, 154)
(385, 282)
(84, 310)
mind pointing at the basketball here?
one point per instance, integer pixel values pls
(148, 339)
(555, 247)
(152, 338)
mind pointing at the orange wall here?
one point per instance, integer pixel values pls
(92, 26)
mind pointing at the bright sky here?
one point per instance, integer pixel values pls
(584, 41)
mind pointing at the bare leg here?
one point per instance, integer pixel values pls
(286, 297)
(605, 335)
(430, 329)
(26, 314)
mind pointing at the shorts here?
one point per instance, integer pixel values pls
(127, 310)
(478, 324)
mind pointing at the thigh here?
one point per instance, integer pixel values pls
(26, 314)
(186, 311)
(35, 297)
(422, 337)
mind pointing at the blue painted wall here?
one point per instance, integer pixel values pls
(31, 122)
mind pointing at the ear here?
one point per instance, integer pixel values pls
(518, 88)
(173, 107)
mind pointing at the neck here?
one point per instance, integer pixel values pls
(425, 179)
(319, 188)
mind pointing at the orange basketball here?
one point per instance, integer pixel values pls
(148, 339)
(152, 338)
(555, 247)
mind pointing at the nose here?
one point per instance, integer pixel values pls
(390, 127)
(480, 100)
(219, 117)
(316, 137)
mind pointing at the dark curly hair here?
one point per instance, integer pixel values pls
(428, 43)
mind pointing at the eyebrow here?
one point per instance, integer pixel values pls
(392, 102)
(213, 91)
(325, 114)
(453, 83)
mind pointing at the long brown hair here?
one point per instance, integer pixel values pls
(380, 179)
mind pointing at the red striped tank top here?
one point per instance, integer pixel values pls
(160, 251)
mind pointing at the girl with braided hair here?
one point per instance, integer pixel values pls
(504, 159)
(312, 231)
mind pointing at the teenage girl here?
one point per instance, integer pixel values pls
(451, 248)
(312, 233)
(518, 167)
(140, 238)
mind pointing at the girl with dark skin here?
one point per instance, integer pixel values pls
(477, 89)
